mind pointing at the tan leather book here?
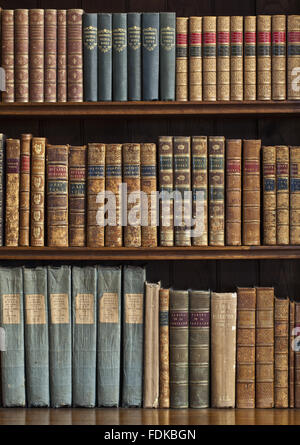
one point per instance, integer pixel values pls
(36, 55)
(149, 187)
(223, 349)
(264, 353)
(236, 58)
(297, 357)
(74, 55)
(281, 360)
(165, 172)
(37, 198)
(250, 57)
(182, 30)
(164, 361)
(216, 154)
(295, 195)
(223, 58)
(293, 58)
(50, 55)
(25, 150)
(245, 344)
(233, 192)
(195, 58)
(269, 195)
(291, 355)
(199, 185)
(283, 195)
(62, 55)
(278, 57)
(264, 59)
(113, 181)
(12, 192)
(7, 54)
(209, 58)
(21, 55)
(77, 196)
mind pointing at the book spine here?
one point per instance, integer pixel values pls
(74, 55)
(199, 190)
(291, 365)
(297, 358)
(149, 187)
(179, 349)
(223, 58)
(150, 39)
(36, 337)
(293, 55)
(199, 360)
(113, 181)
(250, 58)
(57, 195)
(61, 55)
(12, 321)
(165, 153)
(233, 192)
(133, 338)
(209, 25)
(281, 353)
(167, 55)
(104, 56)
(182, 87)
(95, 202)
(36, 55)
(8, 54)
(2, 189)
(60, 335)
(21, 55)
(283, 195)
(90, 62)
(24, 189)
(84, 288)
(278, 57)
(164, 361)
(264, 81)
(251, 192)
(236, 58)
(77, 196)
(216, 150)
(50, 55)
(134, 55)
(37, 198)
(269, 195)
(119, 56)
(195, 58)
(108, 335)
(12, 192)
(294, 195)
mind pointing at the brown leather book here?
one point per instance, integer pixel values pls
(77, 196)
(37, 198)
(113, 181)
(36, 55)
(269, 195)
(251, 192)
(281, 360)
(164, 361)
(209, 58)
(216, 153)
(283, 195)
(264, 50)
(74, 55)
(278, 57)
(293, 60)
(223, 58)
(50, 55)
(62, 55)
(295, 195)
(233, 192)
(12, 192)
(297, 357)
(25, 151)
(250, 57)
(199, 185)
(182, 31)
(236, 58)
(245, 344)
(165, 171)
(21, 55)
(291, 355)
(195, 58)
(7, 54)
(264, 347)
(148, 186)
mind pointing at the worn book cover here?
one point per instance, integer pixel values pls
(113, 181)
(77, 196)
(291, 354)
(36, 55)
(167, 55)
(61, 55)
(283, 194)
(270, 222)
(50, 55)
(164, 359)
(293, 54)
(74, 55)
(12, 192)
(278, 57)
(195, 58)
(149, 187)
(7, 54)
(223, 58)
(233, 221)
(21, 55)
(209, 58)
(264, 57)
(25, 153)
(166, 204)
(236, 58)
(2, 187)
(216, 155)
(295, 195)
(182, 85)
(250, 57)
(199, 190)
(37, 192)
(281, 353)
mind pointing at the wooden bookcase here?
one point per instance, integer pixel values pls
(220, 269)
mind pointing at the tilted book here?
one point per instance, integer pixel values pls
(293, 55)
(104, 56)
(25, 152)
(291, 366)
(74, 55)
(182, 86)
(61, 55)
(12, 153)
(297, 358)
(195, 58)
(166, 204)
(2, 187)
(21, 55)
(278, 57)
(283, 195)
(269, 195)
(149, 187)
(236, 58)
(134, 55)
(90, 60)
(250, 57)
(233, 225)
(164, 359)
(294, 195)
(264, 57)
(281, 356)
(7, 54)
(150, 42)
(36, 54)
(119, 57)
(216, 155)
(167, 55)
(223, 58)
(113, 181)
(37, 192)
(50, 75)
(209, 58)
(199, 190)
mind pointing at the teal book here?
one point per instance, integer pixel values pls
(104, 56)
(90, 63)
(109, 335)
(60, 335)
(150, 42)
(133, 335)
(119, 42)
(12, 321)
(167, 55)
(84, 288)
(134, 55)
(36, 337)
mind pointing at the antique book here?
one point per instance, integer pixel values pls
(104, 56)
(36, 337)
(281, 353)
(166, 204)
(209, 58)
(269, 195)
(90, 60)
(2, 187)
(25, 151)
(95, 202)
(77, 196)
(293, 56)
(297, 357)
(149, 188)
(21, 55)
(61, 55)
(150, 55)
(283, 195)
(133, 335)
(264, 59)
(294, 195)
(113, 181)
(57, 195)
(179, 349)
(278, 57)
(12, 154)
(182, 86)
(199, 190)
(134, 55)
(223, 349)
(108, 335)
(132, 179)
(84, 322)
(199, 345)
(250, 57)
(245, 347)
(8, 54)
(164, 360)
(167, 55)
(12, 320)
(37, 192)
(236, 58)
(233, 227)
(60, 335)
(195, 58)
(50, 55)
(119, 56)
(74, 55)
(264, 353)
(36, 54)
(223, 58)
(251, 192)
(216, 154)
(291, 354)
(182, 187)
(151, 346)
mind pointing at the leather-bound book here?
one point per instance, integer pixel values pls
(104, 56)
(264, 50)
(199, 190)
(195, 58)
(209, 58)
(7, 54)
(179, 349)
(77, 196)
(216, 154)
(291, 355)
(37, 192)
(119, 57)
(57, 195)
(245, 348)
(74, 55)
(293, 54)
(36, 55)
(182, 86)
(164, 360)
(61, 55)
(295, 195)
(2, 187)
(264, 354)
(223, 58)
(278, 57)
(269, 195)
(90, 62)
(167, 55)
(113, 181)
(236, 58)
(50, 55)
(25, 151)
(199, 356)
(250, 57)
(233, 192)
(281, 356)
(95, 202)
(251, 192)
(12, 154)
(134, 55)
(165, 169)
(148, 186)
(283, 195)
(297, 357)
(21, 55)
(223, 349)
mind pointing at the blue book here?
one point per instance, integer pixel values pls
(150, 42)
(90, 64)
(60, 335)
(104, 56)
(119, 42)
(134, 55)
(167, 55)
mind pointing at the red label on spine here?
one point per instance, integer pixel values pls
(195, 38)
(236, 37)
(269, 169)
(282, 169)
(77, 173)
(278, 37)
(234, 166)
(57, 171)
(294, 36)
(25, 164)
(209, 37)
(181, 39)
(223, 37)
(250, 37)
(264, 37)
(251, 166)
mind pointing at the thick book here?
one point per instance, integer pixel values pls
(37, 192)
(12, 321)
(236, 58)
(21, 55)
(199, 190)
(60, 335)
(278, 57)
(36, 54)
(182, 61)
(283, 194)
(119, 57)
(8, 53)
(167, 55)
(104, 56)
(250, 57)
(25, 152)
(90, 60)
(195, 58)
(209, 58)
(133, 335)
(61, 55)
(149, 188)
(297, 358)
(291, 365)
(233, 222)
(216, 155)
(108, 335)
(74, 55)
(281, 353)
(166, 174)
(36, 337)
(223, 58)
(269, 195)
(84, 316)
(264, 58)
(113, 181)
(134, 55)
(150, 54)
(294, 195)
(50, 55)
(164, 359)
(2, 187)
(293, 55)
(12, 153)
